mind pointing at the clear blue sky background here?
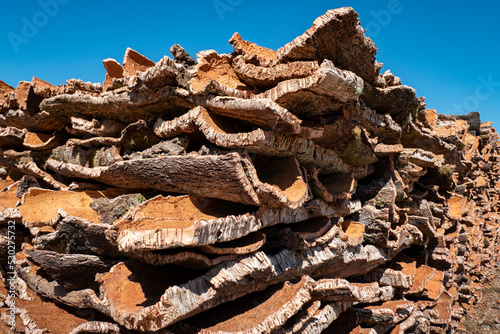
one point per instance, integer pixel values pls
(447, 50)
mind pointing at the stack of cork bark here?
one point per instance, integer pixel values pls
(289, 191)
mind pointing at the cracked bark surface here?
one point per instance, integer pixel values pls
(263, 191)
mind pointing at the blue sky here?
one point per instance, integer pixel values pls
(447, 50)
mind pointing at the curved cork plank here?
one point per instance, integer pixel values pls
(157, 224)
(214, 67)
(277, 182)
(8, 198)
(134, 62)
(251, 51)
(221, 131)
(23, 163)
(76, 235)
(331, 37)
(98, 327)
(248, 244)
(188, 259)
(378, 125)
(391, 312)
(134, 136)
(113, 71)
(124, 106)
(398, 101)
(332, 187)
(71, 271)
(324, 92)
(267, 77)
(346, 323)
(79, 236)
(41, 141)
(341, 290)
(273, 310)
(243, 185)
(92, 157)
(30, 274)
(39, 206)
(30, 94)
(12, 138)
(421, 158)
(278, 304)
(77, 86)
(99, 128)
(390, 277)
(143, 72)
(174, 174)
(164, 73)
(323, 318)
(414, 137)
(261, 112)
(39, 122)
(184, 221)
(212, 124)
(35, 316)
(6, 91)
(234, 279)
(295, 323)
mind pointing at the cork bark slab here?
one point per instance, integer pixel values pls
(228, 281)
(315, 195)
(22, 162)
(12, 138)
(261, 112)
(127, 106)
(184, 221)
(39, 122)
(214, 67)
(221, 131)
(159, 224)
(276, 306)
(268, 77)
(323, 92)
(39, 207)
(105, 128)
(330, 37)
(176, 174)
(41, 141)
(173, 174)
(8, 198)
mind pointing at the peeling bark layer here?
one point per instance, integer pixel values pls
(262, 191)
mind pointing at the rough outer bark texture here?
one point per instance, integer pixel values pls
(315, 196)
(258, 141)
(261, 112)
(23, 163)
(106, 128)
(331, 37)
(175, 173)
(42, 121)
(71, 271)
(268, 77)
(125, 106)
(224, 282)
(323, 92)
